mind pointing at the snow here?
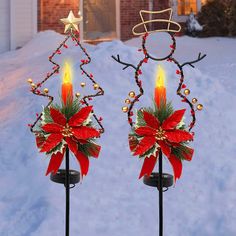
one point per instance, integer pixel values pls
(111, 200)
(193, 24)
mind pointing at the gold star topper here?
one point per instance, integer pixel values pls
(169, 22)
(71, 22)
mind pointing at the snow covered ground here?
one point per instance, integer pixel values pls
(111, 200)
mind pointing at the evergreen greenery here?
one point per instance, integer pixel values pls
(180, 150)
(218, 18)
(214, 19)
(69, 109)
(232, 17)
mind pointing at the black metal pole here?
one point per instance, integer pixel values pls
(160, 196)
(67, 186)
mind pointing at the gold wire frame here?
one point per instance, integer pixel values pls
(169, 21)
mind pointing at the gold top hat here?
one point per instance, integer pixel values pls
(169, 21)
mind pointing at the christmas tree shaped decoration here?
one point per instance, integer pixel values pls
(159, 129)
(69, 126)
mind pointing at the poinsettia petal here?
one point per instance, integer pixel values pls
(173, 120)
(145, 131)
(144, 145)
(55, 162)
(57, 116)
(72, 145)
(51, 142)
(81, 141)
(40, 140)
(188, 154)
(133, 142)
(165, 148)
(176, 165)
(52, 128)
(178, 136)
(84, 163)
(81, 116)
(82, 159)
(151, 120)
(84, 132)
(148, 166)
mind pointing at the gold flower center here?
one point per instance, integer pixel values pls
(67, 131)
(160, 134)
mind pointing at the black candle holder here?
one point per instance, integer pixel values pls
(153, 180)
(60, 177)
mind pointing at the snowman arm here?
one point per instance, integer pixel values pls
(200, 57)
(123, 63)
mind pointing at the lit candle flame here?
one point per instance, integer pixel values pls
(160, 89)
(67, 71)
(67, 87)
(161, 77)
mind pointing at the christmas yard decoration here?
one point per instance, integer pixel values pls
(160, 129)
(69, 126)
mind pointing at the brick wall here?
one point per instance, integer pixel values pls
(50, 12)
(129, 16)
(158, 6)
(161, 4)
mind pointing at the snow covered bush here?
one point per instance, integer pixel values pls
(218, 18)
(232, 19)
(192, 25)
(214, 18)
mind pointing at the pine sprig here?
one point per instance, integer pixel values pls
(88, 148)
(140, 120)
(180, 150)
(46, 116)
(163, 112)
(69, 109)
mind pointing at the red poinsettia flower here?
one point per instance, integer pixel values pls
(73, 132)
(166, 136)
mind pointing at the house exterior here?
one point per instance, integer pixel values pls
(103, 19)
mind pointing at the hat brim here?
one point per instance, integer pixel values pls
(168, 29)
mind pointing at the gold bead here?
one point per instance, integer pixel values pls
(199, 107)
(186, 91)
(95, 86)
(33, 85)
(83, 84)
(30, 81)
(125, 109)
(77, 95)
(46, 90)
(194, 100)
(132, 94)
(127, 101)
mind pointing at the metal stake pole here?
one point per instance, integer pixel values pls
(67, 186)
(160, 196)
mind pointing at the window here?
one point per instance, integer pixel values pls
(99, 20)
(186, 6)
